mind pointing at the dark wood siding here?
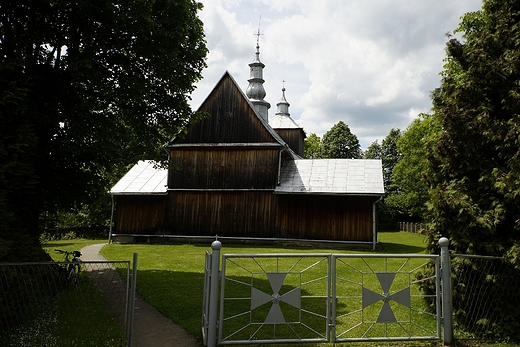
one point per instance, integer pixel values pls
(247, 214)
(324, 217)
(139, 214)
(238, 214)
(294, 138)
(231, 120)
(223, 168)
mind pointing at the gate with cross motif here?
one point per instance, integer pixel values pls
(284, 298)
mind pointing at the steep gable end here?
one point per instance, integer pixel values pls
(232, 119)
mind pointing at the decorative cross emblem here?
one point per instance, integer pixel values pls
(386, 315)
(259, 298)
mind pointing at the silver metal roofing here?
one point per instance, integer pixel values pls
(279, 121)
(332, 176)
(142, 179)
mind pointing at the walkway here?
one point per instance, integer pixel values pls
(151, 328)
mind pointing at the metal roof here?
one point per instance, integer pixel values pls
(282, 122)
(332, 176)
(142, 179)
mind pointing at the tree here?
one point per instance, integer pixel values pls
(474, 168)
(339, 142)
(91, 88)
(388, 153)
(373, 151)
(475, 165)
(312, 146)
(409, 192)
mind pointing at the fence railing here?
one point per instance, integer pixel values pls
(282, 298)
(413, 227)
(474, 296)
(486, 289)
(66, 304)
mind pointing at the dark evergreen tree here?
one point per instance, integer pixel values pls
(474, 171)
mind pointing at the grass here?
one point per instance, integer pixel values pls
(171, 277)
(68, 245)
(71, 316)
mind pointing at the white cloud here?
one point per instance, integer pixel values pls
(371, 64)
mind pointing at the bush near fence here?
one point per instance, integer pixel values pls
(38, 309)
(485, 298)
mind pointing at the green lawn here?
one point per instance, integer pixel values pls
(171, 277)
(60, 315)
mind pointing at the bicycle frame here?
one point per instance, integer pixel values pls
(71, 274)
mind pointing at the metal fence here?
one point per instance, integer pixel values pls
(487, 297)
(285, 297)
(65, 304)
(305, 297)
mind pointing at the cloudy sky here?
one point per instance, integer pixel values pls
(369, 63)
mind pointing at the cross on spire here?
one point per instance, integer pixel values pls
(258, 33)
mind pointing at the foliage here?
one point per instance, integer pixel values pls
(312, 146)
(389, 154)
(339, 142)
(475, 165)
(170, 277)
(373, 151)
(409, 192)
(87, 88)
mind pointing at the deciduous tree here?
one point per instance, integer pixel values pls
(312, 146)
(339, 142)
(409, 192)
(91, 86)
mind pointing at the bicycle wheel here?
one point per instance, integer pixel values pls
(74, 274)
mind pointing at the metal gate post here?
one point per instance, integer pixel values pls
(447, 304)
(213, 293)
(132, 302)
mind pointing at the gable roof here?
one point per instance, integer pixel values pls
(233, 119)
(332, 177)
(144, 178)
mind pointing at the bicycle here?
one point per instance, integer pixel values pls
(69, 269)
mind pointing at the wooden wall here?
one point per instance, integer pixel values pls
(247, 214)
(241, 214)
(325, 217)
(231, 120)
(294, 138)
(139, 214)
(223, 168)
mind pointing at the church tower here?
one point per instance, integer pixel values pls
(286, 127)
(255, 91)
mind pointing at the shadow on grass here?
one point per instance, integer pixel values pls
(396, 248)
(177, 295)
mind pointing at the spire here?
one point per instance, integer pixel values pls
(282, 119)
(282, 105)
(255, 91)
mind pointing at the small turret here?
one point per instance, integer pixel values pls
(286, 127)
(255, 91)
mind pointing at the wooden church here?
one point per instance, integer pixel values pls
(239, 174)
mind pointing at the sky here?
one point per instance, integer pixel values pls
(369, 63)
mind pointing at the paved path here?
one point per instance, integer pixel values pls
(151, 328)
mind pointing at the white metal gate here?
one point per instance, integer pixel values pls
(283, 298)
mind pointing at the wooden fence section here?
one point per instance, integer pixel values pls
(410, 227)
